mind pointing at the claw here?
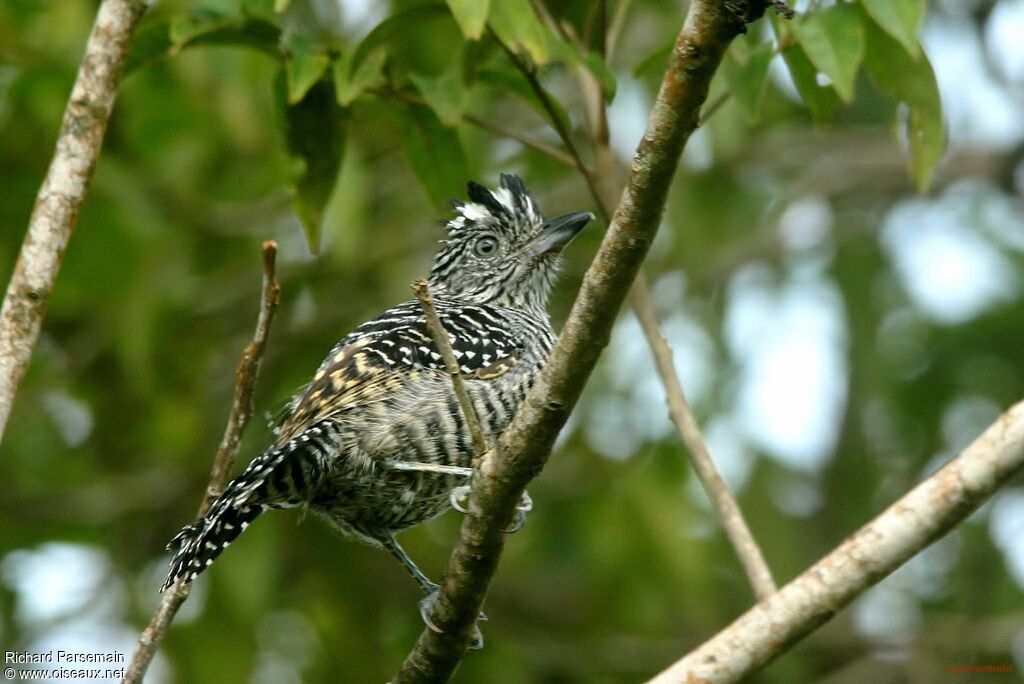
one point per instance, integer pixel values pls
(476, 641)
(525, 506)
(459, 495)
(426, 604)
(517, 523)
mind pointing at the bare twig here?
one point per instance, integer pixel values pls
(505, 131)
(712, 108)
(926, 513)
(241, 411)
(615, 29)
(149, 640)
(492, 127)
(246, 374)
(63, 191)
(549, 107)
(733, 523)
(718, 492)
(526, 444)
(444, 347)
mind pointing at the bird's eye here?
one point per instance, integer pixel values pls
(486, 246)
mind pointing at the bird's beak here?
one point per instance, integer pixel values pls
(556, 233)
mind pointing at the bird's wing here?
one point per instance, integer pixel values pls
(381, 355)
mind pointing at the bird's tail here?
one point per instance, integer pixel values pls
(278, 478)
(198, 544)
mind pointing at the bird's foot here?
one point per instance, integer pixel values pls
(525, 506)
(476, 639)
(459, 498)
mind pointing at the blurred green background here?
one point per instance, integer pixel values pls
(839, 334)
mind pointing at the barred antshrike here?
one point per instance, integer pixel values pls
(377, 441)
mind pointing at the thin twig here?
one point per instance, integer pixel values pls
(545, 100)
(149, 640)
(245, 380)
(505, 131)
(926, 513)
(241, 411)
(710, 110)
(726, 507)
(437, 332)
(526, 444)
(615, 29)
(63, 191)
(728, 510)
(490, 127)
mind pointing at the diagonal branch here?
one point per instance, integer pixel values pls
(729, 514)
(63, 191)
(733, 523)
(710, 27)
(241, 411)
(926, 513)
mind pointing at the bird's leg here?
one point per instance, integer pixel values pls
(388, 541)
(429, 588)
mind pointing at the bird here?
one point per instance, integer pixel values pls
(376, 442)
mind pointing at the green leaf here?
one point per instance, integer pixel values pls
(901, 19)
(185, 27)
(315, 138)
(151, 43)
(821, 101)
(254, 33)
(304, 67)
(912, 82)
(392, 26)
(654, 64)
(746, 72)
(435, 154)
(518, 27)
(597, 66)
(443, 94)
(349, 86)
(515, 83)
(259, 8)
(281, 6)
(166, 39)
(470, 15)
(834, 41)
(926, 136)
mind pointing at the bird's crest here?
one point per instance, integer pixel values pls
(511, 205)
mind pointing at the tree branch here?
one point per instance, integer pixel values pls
(63, 191)
(241, 411)
(722, 499)
(928, 512)
(497, 485)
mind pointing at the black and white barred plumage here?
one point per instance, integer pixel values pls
(376, 441)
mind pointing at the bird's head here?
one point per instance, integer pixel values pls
(500, 250)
